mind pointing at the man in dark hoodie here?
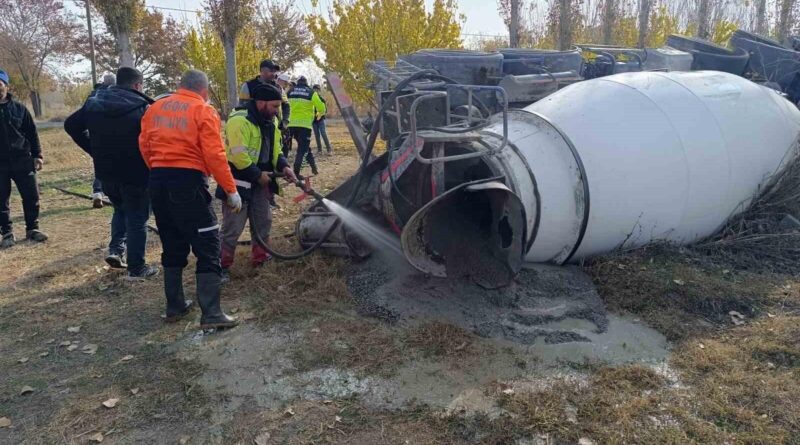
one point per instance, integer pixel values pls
(97, 187)
(20, 159)
(107, 127)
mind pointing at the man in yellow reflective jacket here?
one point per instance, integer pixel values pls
(253, 148)
(305, 103)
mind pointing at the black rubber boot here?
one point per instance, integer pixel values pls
(208, 290)
(177, 304)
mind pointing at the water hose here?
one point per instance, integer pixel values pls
(373, 135)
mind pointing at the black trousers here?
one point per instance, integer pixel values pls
(24, 176)
(303, 138)
(186, 222)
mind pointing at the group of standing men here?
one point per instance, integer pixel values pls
(159, 154)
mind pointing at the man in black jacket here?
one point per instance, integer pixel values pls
(20, 159)
(107, 127)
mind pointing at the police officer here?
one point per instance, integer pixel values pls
(305, 104)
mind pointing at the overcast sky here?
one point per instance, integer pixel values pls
(482, 15)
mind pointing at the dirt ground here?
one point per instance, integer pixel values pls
(691, 349)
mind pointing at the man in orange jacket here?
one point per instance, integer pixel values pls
(181, 143)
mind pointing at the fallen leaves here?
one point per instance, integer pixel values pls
(289, 412)
(26, 390)
(44, 354)
(110, 403)
(262, 439)
(127, 358)
(72, 347)
(74, 329)
(5, 422)
(737, 318)
(97, 437)
(134, 391)
(89, 348)
(184, 440)
(65, 343)
(23, 360)
(679, 282)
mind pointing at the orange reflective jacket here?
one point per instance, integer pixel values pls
(183, 131)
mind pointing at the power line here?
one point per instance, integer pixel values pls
(195, 11)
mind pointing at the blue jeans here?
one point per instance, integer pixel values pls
(129, 223)
(97, 187)
(319, 129)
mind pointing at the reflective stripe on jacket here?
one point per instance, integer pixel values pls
(244, 142)
(305, 103)
(183, 131)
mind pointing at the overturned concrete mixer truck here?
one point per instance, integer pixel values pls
(610, 163)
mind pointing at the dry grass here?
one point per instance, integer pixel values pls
(372, 347)
(728, 384)
(679, 294)
(756, 239)
(46, 288)
(437, 339)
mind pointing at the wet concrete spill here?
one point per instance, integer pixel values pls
(551, 312)
(548, 321)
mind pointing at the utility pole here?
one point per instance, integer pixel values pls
(91, 42)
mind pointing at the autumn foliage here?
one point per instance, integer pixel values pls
(358, 31)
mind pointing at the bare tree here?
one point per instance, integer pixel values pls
(33, 34)
(761, 18)
(785, 19)
(564, 24)
(510, 12)
(703, 13)
(644, 21)
(229, 17)
(609, 20)
(122, 18)
(513, 26)
(282, 33)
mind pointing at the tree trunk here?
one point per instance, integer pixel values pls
(124, 49)
(644, 21)
(36, 103)
(785, 19)
(230, 72)
(761, 18)
(513, 25)
(609, 19)
(703, 11)
(564, 24)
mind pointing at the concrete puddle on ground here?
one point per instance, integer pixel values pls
(551, 324)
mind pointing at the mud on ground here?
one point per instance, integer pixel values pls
(341, 353)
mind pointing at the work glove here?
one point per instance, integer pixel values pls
(235, 202)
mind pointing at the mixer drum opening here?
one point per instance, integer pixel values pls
(476, 231)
